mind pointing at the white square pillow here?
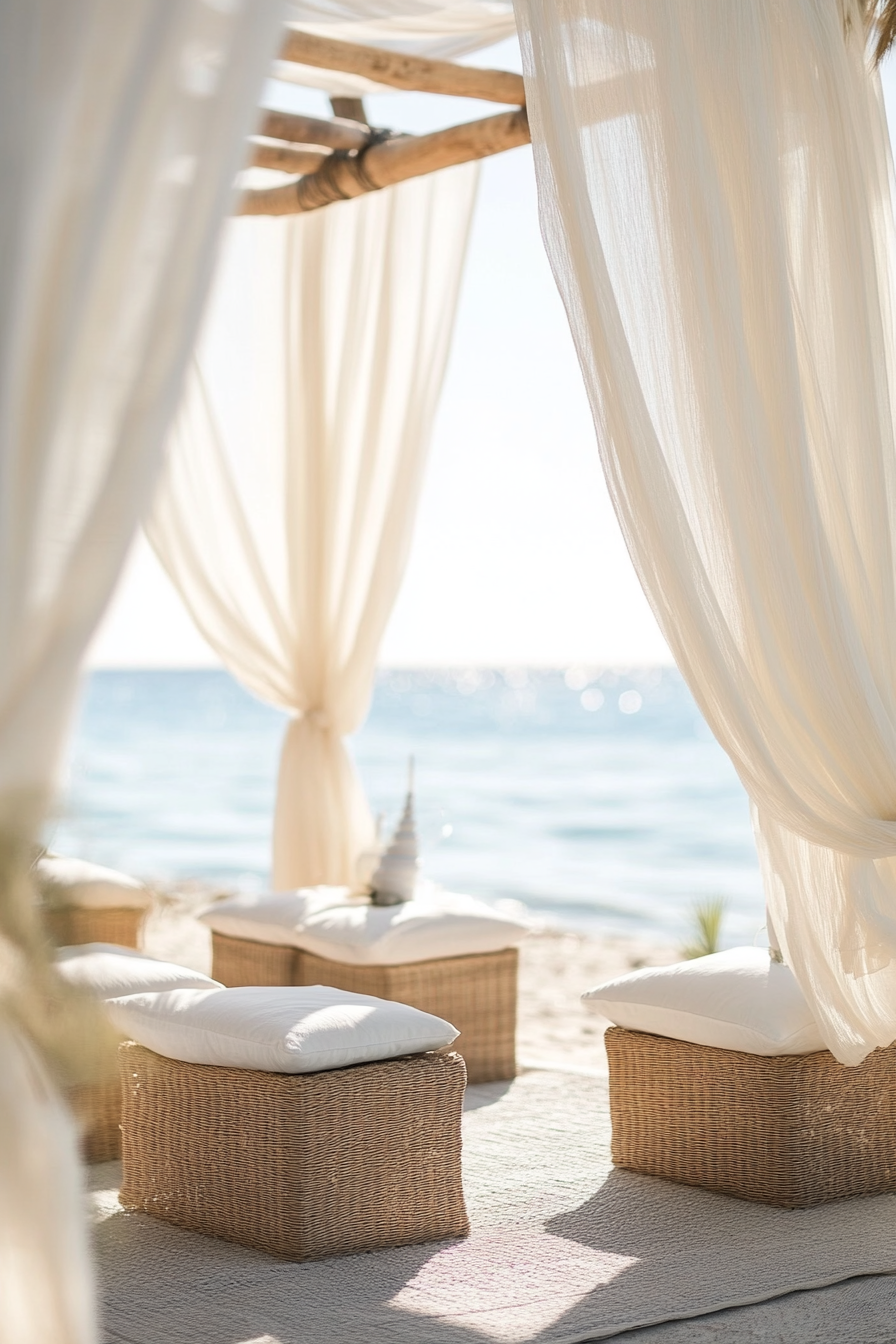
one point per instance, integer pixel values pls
(286, 1030)
(331, 923)
(738, 1000)
(443, 924)
(273, 917)
(107, 971)
(76, 882)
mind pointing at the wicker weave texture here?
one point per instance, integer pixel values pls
(477, 994)
(791, 1130)
(68, 925)
(239, 961)
(302, 1166)
(97, 1111)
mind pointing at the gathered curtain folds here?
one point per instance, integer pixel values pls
(714, 186)
(286, 511)
(123, 125)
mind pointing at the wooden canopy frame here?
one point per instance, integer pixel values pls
(339, 159)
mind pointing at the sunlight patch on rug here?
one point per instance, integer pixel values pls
(516, 1276)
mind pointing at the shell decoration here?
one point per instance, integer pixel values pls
(396, 876)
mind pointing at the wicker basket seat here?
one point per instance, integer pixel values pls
(787, 1130)
(303, 1166)
(106, 972)
(83, 902)
(97, 1111)
(72, 924)
(478, 993)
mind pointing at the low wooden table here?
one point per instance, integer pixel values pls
(302, 1166)
(477, 994)
(789, 1130)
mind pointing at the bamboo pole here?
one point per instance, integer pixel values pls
(352, 109)
(412, 73)
(300, 130)
(286, 158)
(383, 163)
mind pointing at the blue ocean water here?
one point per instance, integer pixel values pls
(597, 798)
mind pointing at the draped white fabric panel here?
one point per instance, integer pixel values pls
(442, 29)
(286, 512)
(122, 127)
(714, 192)
(46, 1279)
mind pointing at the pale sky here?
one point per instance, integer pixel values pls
(517, 556)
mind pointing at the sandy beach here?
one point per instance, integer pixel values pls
(554, 1026)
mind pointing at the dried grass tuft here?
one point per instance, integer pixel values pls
(707, 929)
(62, 1022)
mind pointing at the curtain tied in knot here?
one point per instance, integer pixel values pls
(288, 537)
(318, 718)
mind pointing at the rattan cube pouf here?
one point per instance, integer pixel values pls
(71, 924)
(788, 1130)
(302, 1166)
(477, 994)
(97, 1111)
(241, 961)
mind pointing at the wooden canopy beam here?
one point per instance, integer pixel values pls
(411, 73)
(343, 158)
(300, 130)
(290, 159)
(351, 108)
(384, 162)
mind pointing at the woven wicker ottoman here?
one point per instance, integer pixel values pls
(242, 961)
(105, 972)
(302, 1166)
(788, 1130)
(478, 994)
(97, 1111)
(83, 902)
(70, 925)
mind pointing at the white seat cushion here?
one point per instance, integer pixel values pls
(107, 971)
(76, 882)
(271, 918)
(738, 1000)
(277, 1030)
(443, 925)
(327, 922)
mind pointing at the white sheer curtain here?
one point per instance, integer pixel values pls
(715, 198)
(122, 126)
(286, 513)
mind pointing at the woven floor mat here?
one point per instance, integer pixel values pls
(564, 1249)
(859, 1311)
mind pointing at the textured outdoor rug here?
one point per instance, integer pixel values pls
(564, 1249)
(859, 1311)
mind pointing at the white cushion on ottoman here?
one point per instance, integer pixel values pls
(442, 925)
(88, 885)
(107, 971)
(737, 1000)
(273, 917)
(277, 1030)
(327, 922)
